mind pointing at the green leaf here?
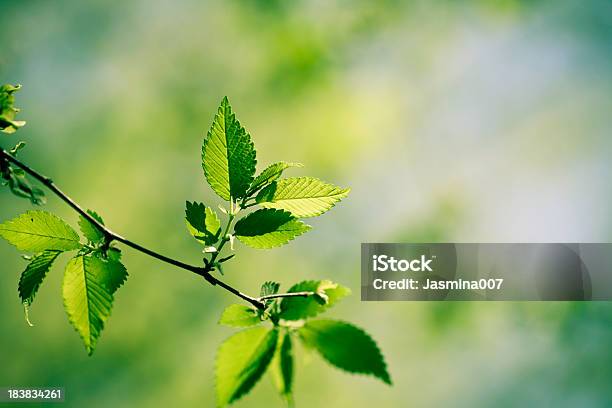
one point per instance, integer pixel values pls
(269, 288)
(33, 275)
(228, 155)
(202, 223)
(8, 124)
(270, 173)
(87, 298)
(345, 346)
(16, 180)
(326, 295)
(239, 316)
(213, 224)
(302, 196)
(281, 367)
(89, 230)
(268, 228)
(17, 148)
(241, 361)
(37, 231)
(109, 270)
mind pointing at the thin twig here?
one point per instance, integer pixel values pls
(112, 236)
(286, 295)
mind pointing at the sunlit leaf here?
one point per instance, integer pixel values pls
(281, 367)
(239, 316)
(302, 196)
(325, 295)
(37, 231)
(241, 361)
(87, 297)
(271, 173)
(228, 155)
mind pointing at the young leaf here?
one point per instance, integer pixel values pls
(8, 124)
(89, 230)
(241, 361)
(345, 346)
(239, 316)
(281, 368)
(37, 231)
(202, 223)
(17, 181)
(33, 275)
(302, 196)
(17, 148)
(87, 298)
(270, 173)
(228, 155)
(326, 294)
(269, 228)
(213, 224)
(269, 288)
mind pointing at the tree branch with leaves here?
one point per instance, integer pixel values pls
(263, 212)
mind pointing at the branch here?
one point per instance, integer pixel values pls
(112, 236)
(286, 295)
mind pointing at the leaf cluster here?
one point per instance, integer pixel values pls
(91, 276)
(8, 123)
(10, 176)
(229, 161)
(263, 211)
(245, 357)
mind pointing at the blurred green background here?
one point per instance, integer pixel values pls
(451, 121)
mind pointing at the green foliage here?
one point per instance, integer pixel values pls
(302, 196)
(242, 360)
(239, 316)
(269, 288)
(281, 368)
(228, 155)
(270, 174)
(202, 222)
(325, 295)
(90, 279)
(8, 124)
(95, 273)
(346, 347)
(342, 344)
(36, 231)
(88, 298)
(33, 275)
(16, 180)
(109, 269)
(89, 230)
(269, 228)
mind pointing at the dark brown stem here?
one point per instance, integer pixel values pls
(203, 271)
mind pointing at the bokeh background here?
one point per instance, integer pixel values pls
(451, 121)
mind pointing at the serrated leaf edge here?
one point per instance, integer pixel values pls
(305, 230)
(387, 377)
(343, 193)
(92, 344)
